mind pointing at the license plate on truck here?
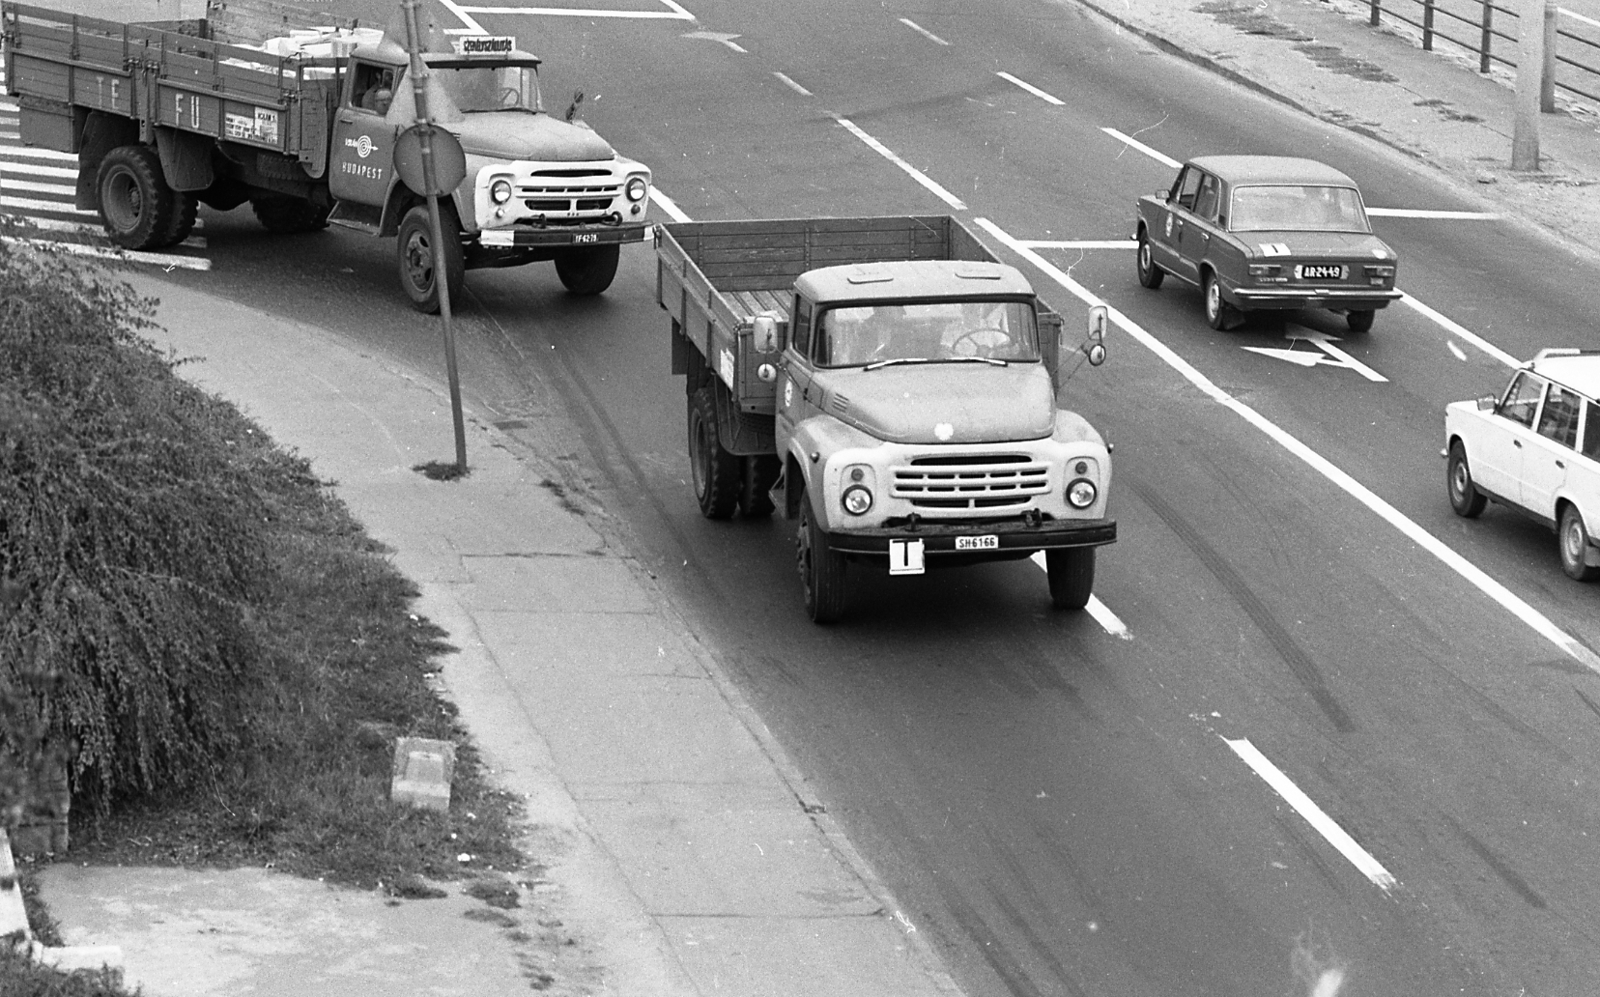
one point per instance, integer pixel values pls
(988, 541)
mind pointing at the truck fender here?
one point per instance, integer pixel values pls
(185, 159)
(794, 483)
(102, 132)
(402, 199)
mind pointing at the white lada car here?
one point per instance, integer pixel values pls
(1536, 448)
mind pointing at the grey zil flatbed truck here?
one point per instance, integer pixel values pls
(891, 386)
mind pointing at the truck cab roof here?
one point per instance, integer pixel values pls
(913, 279)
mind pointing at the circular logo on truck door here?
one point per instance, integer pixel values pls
(364, 146)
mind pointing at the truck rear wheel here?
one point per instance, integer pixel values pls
(716, 473)
(287, 215)
(821, 570)
(1071, 574)
(415, 246)
(138, 208)
(759, 472)
(588, 272)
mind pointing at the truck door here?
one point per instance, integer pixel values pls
(794, 375)
(362, 157)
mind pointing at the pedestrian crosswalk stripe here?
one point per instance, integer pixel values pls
(34, 169)
(40, 188)
(167, 260)
(33, 204)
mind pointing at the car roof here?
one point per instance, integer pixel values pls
(905, 279)
(1271, 169)
(1578, 370)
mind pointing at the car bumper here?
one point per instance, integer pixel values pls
(1288, 297)
(532, 237)
(1016, 539)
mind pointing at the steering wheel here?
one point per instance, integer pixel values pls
(976, 348)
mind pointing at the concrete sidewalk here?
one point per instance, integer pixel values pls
(685, 855)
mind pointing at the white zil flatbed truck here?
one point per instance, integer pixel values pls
(892, 386)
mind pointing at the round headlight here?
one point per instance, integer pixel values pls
(636, 188)
(1081, 493)
(500, 191)
(857, 500)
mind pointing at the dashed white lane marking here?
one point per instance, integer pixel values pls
(1455, 350)
(1134, 143)
(1047, 98)
(1459, 330)
(1109, 621)
(1463, 216)
(1081, 244)
(673, 12)
(1578, 17)
(1306, 807)
(924, 32)
(915, 174)
(668, 205)
(79, 249)
(792, 85)
(1474, 575)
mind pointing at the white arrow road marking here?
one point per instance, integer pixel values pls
(924, 32)
(1306, 807)
(1302, 357)
(1331, 356)
(1102, 614)
(714, 36)
(1047, 98)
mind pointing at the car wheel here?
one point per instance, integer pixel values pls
(1575, 545)
(1465, 499)
(1150, 275)
(415, 250)
(1071, 574)
(821, 570)
(715, 472)
(1219, 314)
(1360, 320)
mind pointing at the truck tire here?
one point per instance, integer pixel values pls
(288, 215)
(759, 472)
(136, 204)
(821, 570)
(715, 473)
(415, 252)
(181, 221)
(1071, 574)
(588, 272)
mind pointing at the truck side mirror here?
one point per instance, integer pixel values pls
(1095, 348)
(764, 333)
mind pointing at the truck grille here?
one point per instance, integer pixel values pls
(570, 190)
(970, 481)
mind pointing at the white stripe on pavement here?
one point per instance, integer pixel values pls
(1464, 216)
(30, 152)
(915, 174)
(1314, 815)
(33, 169)
(1474, 575)
(1080, 244)
(1048, 98)
(797, 88)
(32, 204)
(1134, 143)
(1458, 330)
(924, 32)
(166, 260)
(668, 205)
(34, 187)
(1109, 621)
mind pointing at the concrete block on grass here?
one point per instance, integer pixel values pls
(423, 769)
(69, 958)
(13, 915)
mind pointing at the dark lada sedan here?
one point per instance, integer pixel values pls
(1266, 232)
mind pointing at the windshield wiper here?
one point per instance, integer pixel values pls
(991, 361)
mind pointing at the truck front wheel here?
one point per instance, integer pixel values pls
(588, 272)
(821, 569)
(139, 210)
(416, 257)
(716, 473)
(1071, 574)
(287, 215)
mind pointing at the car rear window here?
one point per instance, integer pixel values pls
(1559, 420)
(1298, 208)
(1591, 433)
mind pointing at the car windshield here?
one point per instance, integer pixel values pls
(490, 88)
(1297, 208)
(858, 335)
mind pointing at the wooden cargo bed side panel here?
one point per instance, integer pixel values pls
(89, 46)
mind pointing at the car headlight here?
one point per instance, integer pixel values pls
(500, 190)
(1081, 493)
(636, 188)
(857, 500)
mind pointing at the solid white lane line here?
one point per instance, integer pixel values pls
(1102, 614)
(915, 174)
(1476, 576)
(797, 88)
(1466, 216)
(1457, 330)
(1081, 244)
(668, 205)
(77, 248)
(1314, 815)
(1047, 98)
(675, 13)
(924, 32)
(1134, 143)
(473, 27)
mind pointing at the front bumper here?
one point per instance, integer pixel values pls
(535, 237)
(1015, 539)
(1355, 299)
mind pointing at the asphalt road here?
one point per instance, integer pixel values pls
(1062, 808)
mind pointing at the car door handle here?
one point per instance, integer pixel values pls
(1561, 464)
(1517, 444)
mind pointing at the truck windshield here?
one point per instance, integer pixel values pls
(491, 88)
(1295, 208)
(857, 335)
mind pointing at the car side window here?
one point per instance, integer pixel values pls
(1187, 186)
(1559, 420)
(1591, 432)
(1521, 400)
(1205, 205)
(800, 336)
